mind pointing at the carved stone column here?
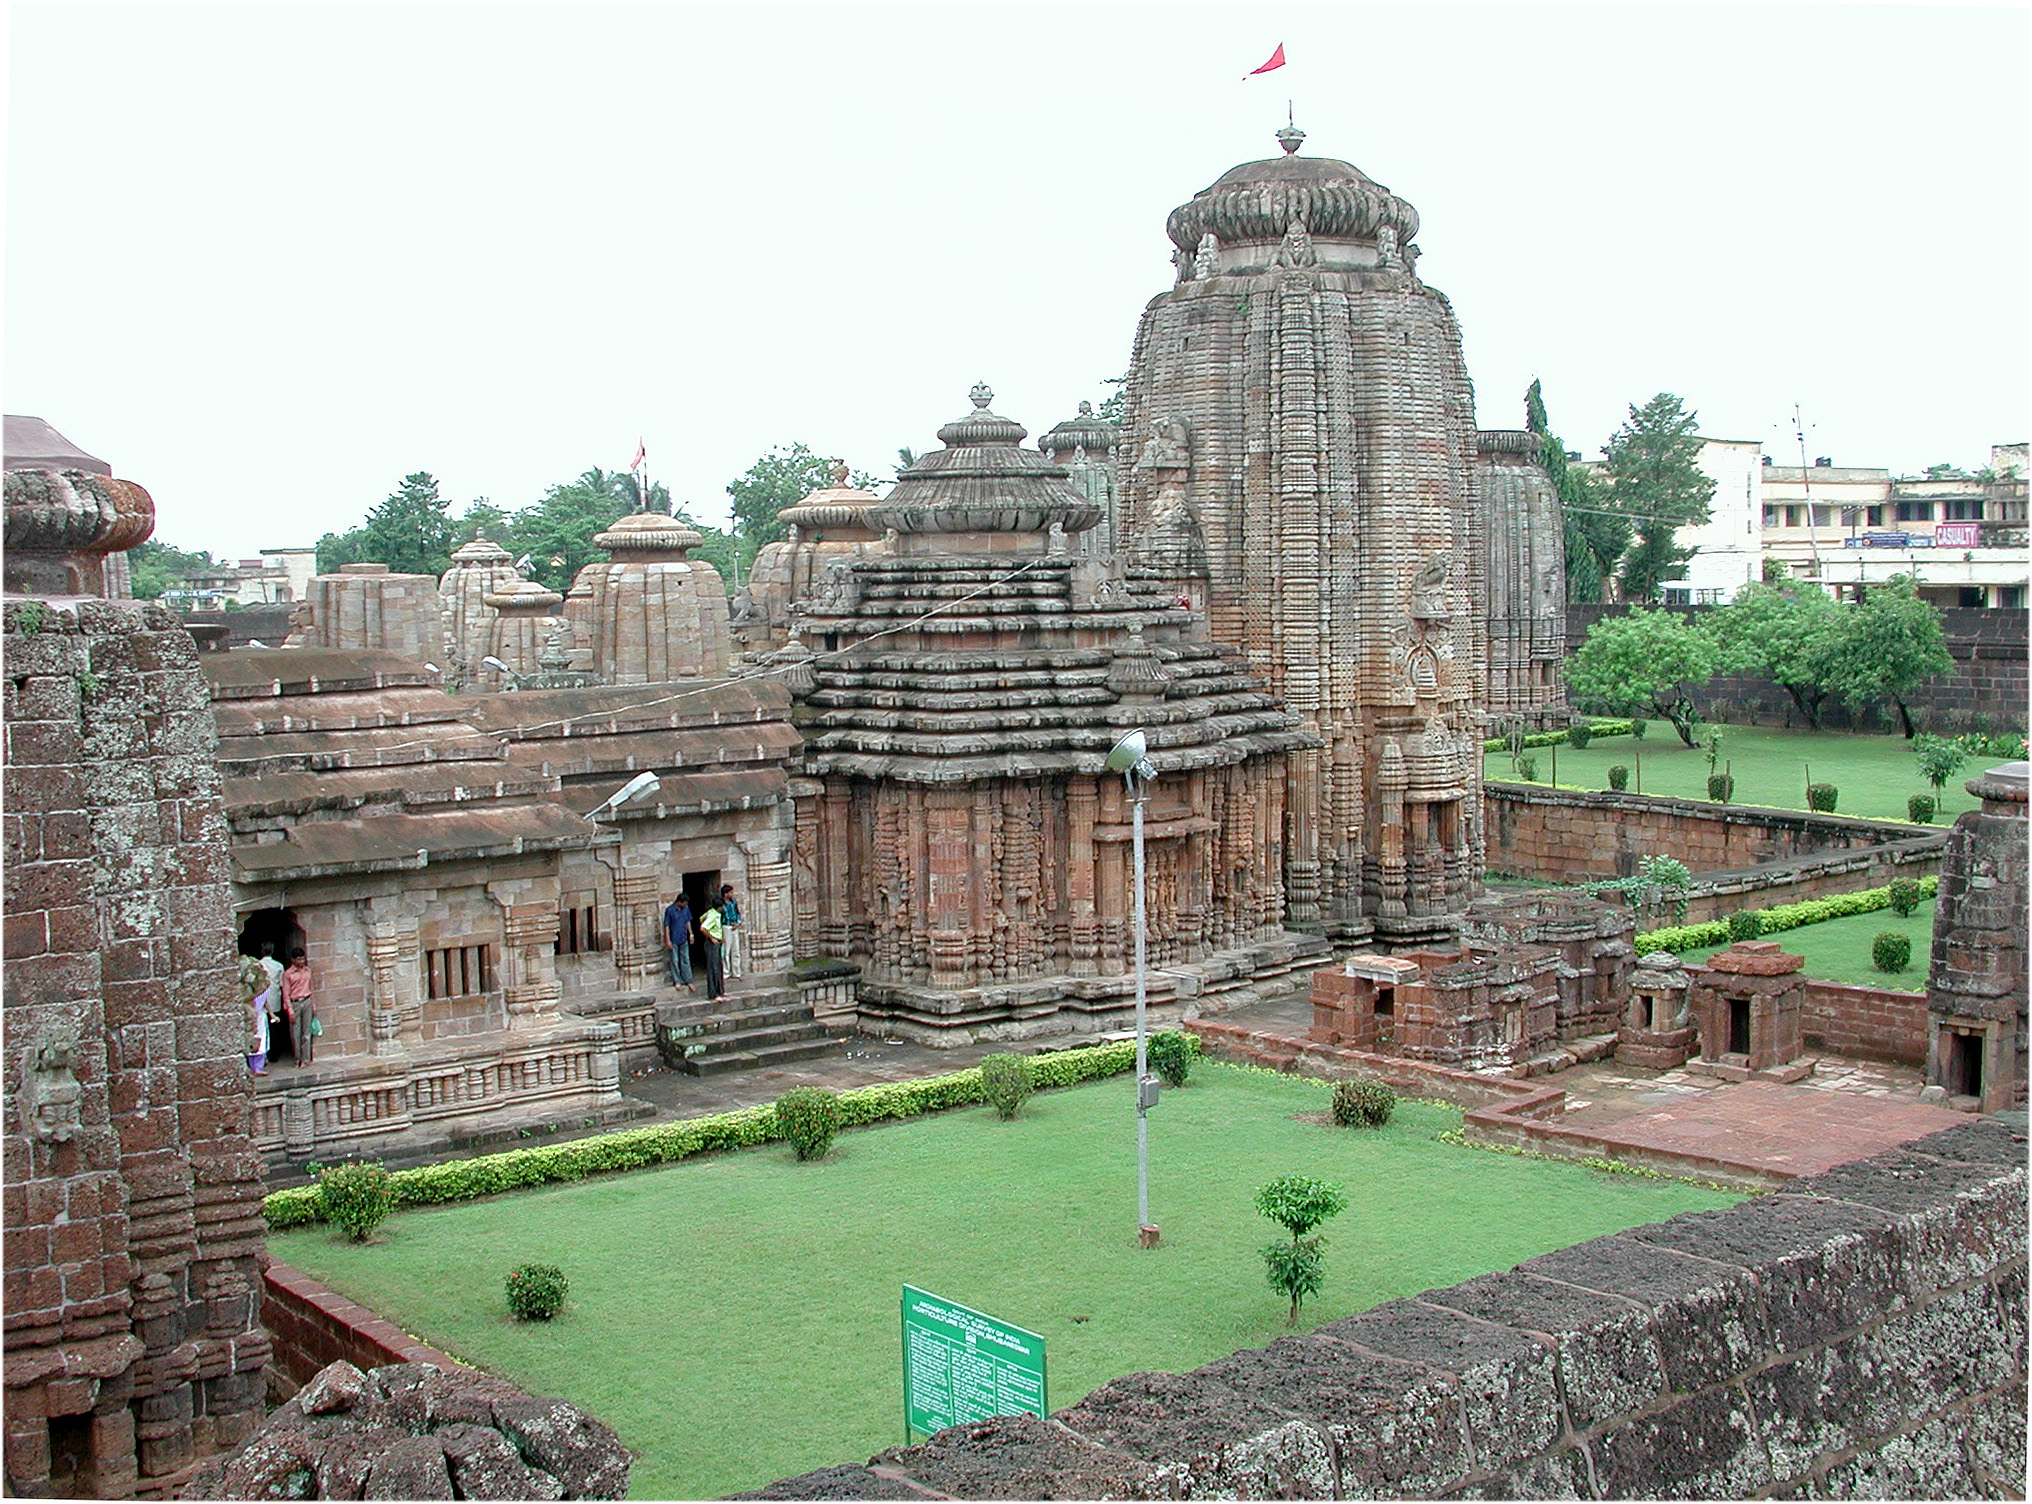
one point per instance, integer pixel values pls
(393, 969)
(638, 936)
(804, 873)
(766, 915)
(529, 986)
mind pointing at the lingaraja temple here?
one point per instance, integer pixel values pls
(1299, 455)
(959, 837)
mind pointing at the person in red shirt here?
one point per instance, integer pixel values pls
(299, 1008)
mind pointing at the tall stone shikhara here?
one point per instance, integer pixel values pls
(1299, 455)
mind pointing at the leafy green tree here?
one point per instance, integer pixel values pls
(1648, 662)
(1789, 634)
(1595, 538)
(154, 567)
(411, 532)
(557, 532)
(782, 477)
(1300, 1203)
(335, 550)
(1893, 645)
(1651, 473)
(1112, 405)
(482, 516)
(1939, 757)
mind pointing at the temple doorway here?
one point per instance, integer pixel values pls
(277, 932)
(1964, 1064)
(700, 889)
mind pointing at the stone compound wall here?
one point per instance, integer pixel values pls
(1868, 1023)
(133, 1215)
(1988, 682)
(1742, 856)
(1857, 1335)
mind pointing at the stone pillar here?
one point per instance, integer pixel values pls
(529, 986)
(639, 958)
(395, 979)
(766, 915)
(1976, 980)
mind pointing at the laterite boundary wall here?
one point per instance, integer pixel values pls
(312, 1325)
(1742, 856)
(1860, 1334)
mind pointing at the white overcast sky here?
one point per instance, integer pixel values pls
(267, 259)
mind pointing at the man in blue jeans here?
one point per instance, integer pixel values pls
(677, 935)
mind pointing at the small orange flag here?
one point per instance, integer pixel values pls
(1276, 61)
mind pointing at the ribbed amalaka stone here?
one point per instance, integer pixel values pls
(1085, 444)
(1524, 549)
(1976, 982)
(654, 614)
(959, 835)
(63, 526)
(826, 527)
(1299, 455)
(525, 620)
(365, 606)
(478, 569)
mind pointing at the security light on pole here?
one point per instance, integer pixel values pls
(641, 783)
(1129, 758)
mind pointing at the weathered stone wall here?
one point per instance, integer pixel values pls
(1988, 683)
(1858, 1335)
(1867, 1023)
(1744, 856)
(133, 1218)
(312, 1325)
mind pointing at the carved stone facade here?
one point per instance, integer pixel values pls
(1976, 987)
(1299, 457)
(957, 834)
(1523, 542)
(133, 1214)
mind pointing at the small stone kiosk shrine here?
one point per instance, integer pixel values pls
(957, 833)
(1657, 1030)
(1976, 983)
(1747, 1004)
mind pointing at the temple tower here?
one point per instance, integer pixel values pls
(653, 614)
(1523, 539)
(1085, 445)
(1299, 455)
(477, 569)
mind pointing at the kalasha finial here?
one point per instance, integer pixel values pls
(982, 394)
(840, 474)
(1289, 137)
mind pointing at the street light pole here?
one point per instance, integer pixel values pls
(1127, 758)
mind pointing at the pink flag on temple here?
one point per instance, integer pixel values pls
(641, 454)
(1276, 61)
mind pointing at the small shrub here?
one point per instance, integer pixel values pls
(1720, 787)
(1746, 924)
(1363, 1102)
(1579, 734)
(1637, 729)
(356, 1196)
(1821, 796)
(1921, 808)
(1890, 951)
(1005, 1082)
(1527, 769)
(1939, 758)
(1171, 1056)
(1299, 1203)
(536, 1291)
(808, 1116)
(1619, 778)
(1906, 895)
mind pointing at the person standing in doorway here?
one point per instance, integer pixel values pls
(730, 918)
(274, 969)
(299, 1008)
(677, 930)
(253, 983)
(712, 929)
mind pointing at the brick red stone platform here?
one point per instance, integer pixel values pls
(1791, 1130)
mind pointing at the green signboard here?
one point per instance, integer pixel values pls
(960, 1366)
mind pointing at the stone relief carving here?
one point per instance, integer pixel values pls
(1169, 447)
(1428, 588)
(1206, 261)
(51, 1097)
(836, 591)
(1386, 248)
(1296, 250)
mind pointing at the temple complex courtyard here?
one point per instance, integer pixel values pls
(734, 1318)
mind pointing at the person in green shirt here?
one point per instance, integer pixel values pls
(712, 929)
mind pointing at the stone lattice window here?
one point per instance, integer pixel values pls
(458, 971)
(578, 931)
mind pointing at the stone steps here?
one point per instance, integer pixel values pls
(766, 1026)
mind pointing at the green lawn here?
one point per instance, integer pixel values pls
(1874, 774)
(736, 1318)
(1838, 950)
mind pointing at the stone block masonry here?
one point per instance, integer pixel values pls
(1859, 1334)
(133, 1219)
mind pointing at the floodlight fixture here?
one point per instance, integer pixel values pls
(1130, 757)
(641, 783)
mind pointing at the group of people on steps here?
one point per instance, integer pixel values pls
(716, 928)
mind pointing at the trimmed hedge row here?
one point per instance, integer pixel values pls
(1547, 738)
(1787, 916)
(661, 1143)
